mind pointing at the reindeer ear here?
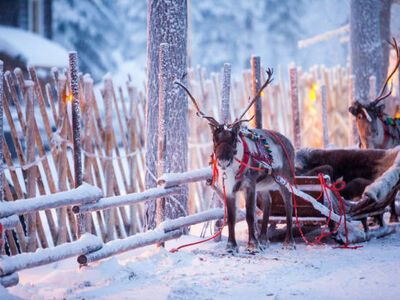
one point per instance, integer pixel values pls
(353, 110)
(380, 108)
(236, 128)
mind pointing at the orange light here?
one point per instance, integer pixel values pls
(262, 94)
(70, 97)
(313, 98)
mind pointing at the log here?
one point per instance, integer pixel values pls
(122, 245)
(86, 244)
(171, 225)
(10, 222)
(355, 234)
(128, 199)
(9, 280)
(175, 179)
(81, 195)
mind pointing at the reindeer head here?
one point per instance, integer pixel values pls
(225, 136)
(368, 115)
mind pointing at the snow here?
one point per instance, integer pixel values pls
(206, 272)
(33, 48)
(84, 194)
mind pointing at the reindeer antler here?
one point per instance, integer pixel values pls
(268, 81)
(240, 121)
(381, 96)
(199, 112)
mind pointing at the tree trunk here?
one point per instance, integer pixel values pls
(167, 23)
(384, 25)
(366, 48)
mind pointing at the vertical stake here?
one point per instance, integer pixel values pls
(225, 94)
(76, 132)
(324, 110)
(294, 97)
(256, 85)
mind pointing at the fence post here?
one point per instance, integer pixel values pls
(76, 132)
(226, 88)
(30, 157)
(324, 111)
(294, 97)
(256, 85)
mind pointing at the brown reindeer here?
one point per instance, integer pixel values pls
(375, 128)
(248, 160)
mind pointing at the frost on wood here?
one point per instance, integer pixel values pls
(294, 97)
(324, 110)
(86, 244)
(174, 179)
(167, 23)
(204, 216)
(76, 117)
(226, 90)
(365, 43)
(10, 222)
(128, 199)
(9, 280)
(256, 110)
(83, 194)
(136, 241)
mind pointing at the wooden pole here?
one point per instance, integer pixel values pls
(256, 110)
(324, 110)
(31, 172)
(295, 107)
(76, 125)
(225, 96)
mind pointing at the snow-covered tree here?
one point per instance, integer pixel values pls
(365, 42)
(167, 23)
(91, 28)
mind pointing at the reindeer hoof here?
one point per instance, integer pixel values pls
(289, 245)
(253, 247)
(232, 247)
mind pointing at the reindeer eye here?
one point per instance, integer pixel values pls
(360, 116)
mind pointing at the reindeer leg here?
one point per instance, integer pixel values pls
(393, 213)
(289, 240)
(250, 191)
(231, 246)
(266, 205)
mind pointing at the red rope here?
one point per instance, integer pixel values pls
(214, 236)
(1, 235)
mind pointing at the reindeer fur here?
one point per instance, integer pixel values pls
(359, 168)
(227, 147)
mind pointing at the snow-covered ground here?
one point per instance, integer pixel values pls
(205, 271)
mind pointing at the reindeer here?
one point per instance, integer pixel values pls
(248, 160)
(375, 128)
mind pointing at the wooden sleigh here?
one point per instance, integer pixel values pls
(373, 202)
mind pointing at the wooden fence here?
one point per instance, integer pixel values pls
(39, 182)
(38, 141)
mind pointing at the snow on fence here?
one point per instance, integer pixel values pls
(82, 195)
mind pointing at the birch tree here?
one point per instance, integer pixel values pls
(166, 23)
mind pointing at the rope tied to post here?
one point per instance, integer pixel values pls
(220, 230)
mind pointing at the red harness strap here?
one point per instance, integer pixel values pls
(245, 159)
